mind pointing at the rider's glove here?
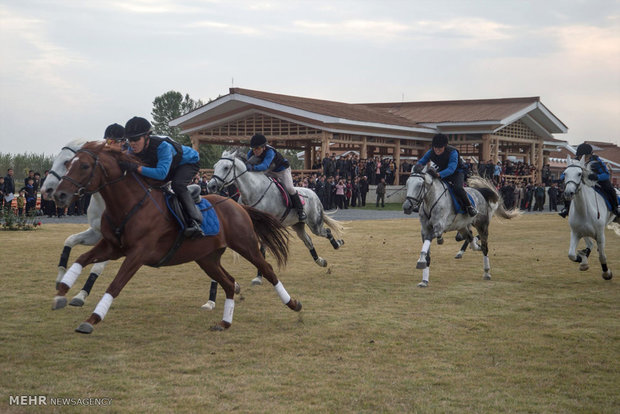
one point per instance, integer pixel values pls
(418, 168)
(593, 177)
(250, 167)
(128, 166)
(433, 173)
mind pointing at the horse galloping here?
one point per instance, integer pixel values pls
(138, 226)
(430, 196)
(88, 237)
(259, 191)
(588, 215)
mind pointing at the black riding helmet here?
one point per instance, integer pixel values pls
(114, 132)
(258, 140)
(137, 127)
(440, 141)
(583, 149)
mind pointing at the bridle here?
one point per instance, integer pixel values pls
(54, 173)
(233, 170)
(82, 188)
(577, 184)
(417, 200)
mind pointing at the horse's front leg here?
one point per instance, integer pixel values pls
(88, 237)
(572, 249)
(102, 252)
(129, 268)
(95, 272)
(585, 254)
(607, 275)
(427, 237)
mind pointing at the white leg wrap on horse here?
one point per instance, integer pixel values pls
(72, 274)
(485, 262)
(229, 308)
(104, 305)
(284, 296)
(425, 273)
(426, 246)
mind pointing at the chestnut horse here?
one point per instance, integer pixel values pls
(137, 224)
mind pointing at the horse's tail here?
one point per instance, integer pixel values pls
(490, 194)
(615, 227)
(271, 233)
(335, 225)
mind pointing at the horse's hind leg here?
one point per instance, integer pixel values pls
(607, 275)
(251, 253)
(461, 252)
(212, 266)
(300, 229)
(483, 230)
(78, 300)
(258, 280)
(210, 305)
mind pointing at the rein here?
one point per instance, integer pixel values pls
(54, 173)
(235, 176)
(423, 192)
(81, 189)
(578, 188)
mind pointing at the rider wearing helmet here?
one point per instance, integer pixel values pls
(451, 169)
(263, 157)
(114, 136)
(600, 174)
(165, 159)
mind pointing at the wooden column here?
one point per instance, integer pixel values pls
(325, 144)
(397, 161)
(486, 148)
(195, 142)
(364, 148)
(307, 158)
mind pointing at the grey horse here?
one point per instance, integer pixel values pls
(260, 192)
(430, 196)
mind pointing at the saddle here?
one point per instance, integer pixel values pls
(458, 208)
(599, 190)
(210, 223)
(286, 197)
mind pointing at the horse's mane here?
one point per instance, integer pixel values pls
(99, 147)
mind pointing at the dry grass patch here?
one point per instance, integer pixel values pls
(540, 337)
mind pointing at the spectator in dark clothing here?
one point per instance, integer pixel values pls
(539, 195)
(363, 189)
(553, 197)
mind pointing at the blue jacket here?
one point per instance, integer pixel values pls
(598, 167)
(451, 168)
(165, 154)
(269, 156)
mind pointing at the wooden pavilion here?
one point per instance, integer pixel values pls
(483, 130)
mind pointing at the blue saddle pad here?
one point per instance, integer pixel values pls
(457, 206)
(210, 223)
(600, 191)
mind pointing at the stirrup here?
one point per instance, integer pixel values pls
(471, 210)
(563, 213)
(193, 231)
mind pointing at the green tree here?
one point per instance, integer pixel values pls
(172, 105)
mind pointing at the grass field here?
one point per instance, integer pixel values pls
(541, 336)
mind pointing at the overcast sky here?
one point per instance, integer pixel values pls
(69, 68)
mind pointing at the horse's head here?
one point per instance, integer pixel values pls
(226, 170)
(91, 169)
(417, 185)
(574, 175)
(59, 167)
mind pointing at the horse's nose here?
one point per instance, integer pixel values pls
(48, 194)
(60, 197)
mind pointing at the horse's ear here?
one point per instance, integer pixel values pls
(569, 160)
(425, 169)
(582, 160)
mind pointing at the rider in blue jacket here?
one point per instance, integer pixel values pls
(451, 169)
(165, 160)
(600, 174)
(263, 157)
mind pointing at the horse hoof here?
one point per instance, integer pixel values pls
(210, 305)
(440, 240)
(237, 289)
(84, 328)
(76, 302)
(584, 266)
(220, 326)
(421, 265)
(423, 284)
(340, 243)
(486, 276)
(59, 302)
(607, 275)
(459, 255)
(257, 281)
(294, 305)
(321, 262)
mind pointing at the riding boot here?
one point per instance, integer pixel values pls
(299, 207)
(194, 215)
(471, 210)
(565, 210)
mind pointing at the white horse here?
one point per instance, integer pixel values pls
(588, 215)
(92, 235)
(88, 237)
(260, 192)
(430, 196)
